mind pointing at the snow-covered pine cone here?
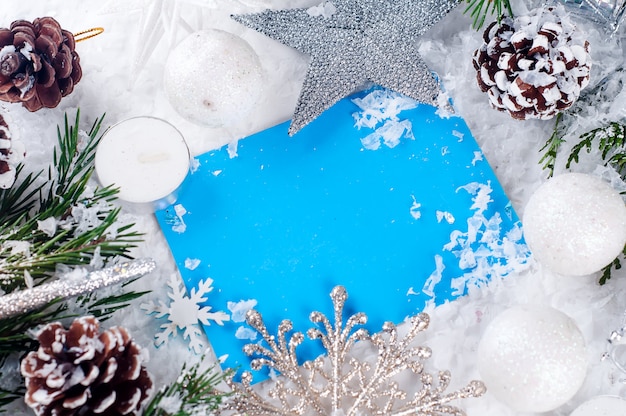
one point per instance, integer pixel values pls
(38, 63)
(11, 154)
(534, 66)
(80, 371)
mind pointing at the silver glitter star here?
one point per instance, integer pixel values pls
(340, 383)
(363, 40)
(22, 301)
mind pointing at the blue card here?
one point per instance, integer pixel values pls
(395, 203)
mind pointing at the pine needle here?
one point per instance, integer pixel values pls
(194, 389)
(479, 9)
(551, 147)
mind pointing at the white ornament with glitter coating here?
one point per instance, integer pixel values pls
(532, 358)
(575, 224)
(213, 78)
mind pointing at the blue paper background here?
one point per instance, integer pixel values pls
(289, 218)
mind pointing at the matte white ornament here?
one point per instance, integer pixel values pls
(575, 224)
(602, 406)
(532, 358)
(213, 78)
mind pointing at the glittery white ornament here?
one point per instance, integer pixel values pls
(602, 406)
(213, 78)
(575, 224)
(532, 358)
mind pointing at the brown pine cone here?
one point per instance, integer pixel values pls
(80, 371)
(534, 66)
(11, 154)
(38, 63)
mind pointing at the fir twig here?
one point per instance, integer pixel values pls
(20, 198)
(82, 229)
(194, 392)
(551, 147)
(74, 244)
(479, 9)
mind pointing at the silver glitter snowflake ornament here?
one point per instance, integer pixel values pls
(341, 384)
(359, 41)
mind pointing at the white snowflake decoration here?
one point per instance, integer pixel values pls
(185, 313)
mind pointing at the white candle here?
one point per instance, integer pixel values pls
(602, 406)
(146, 158)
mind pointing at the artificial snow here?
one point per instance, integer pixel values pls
(48, 226)
(510, 146)
(325, 9)
(238, 310)
(414, 210)
(192, 264)
(178, 223)
(445, 215)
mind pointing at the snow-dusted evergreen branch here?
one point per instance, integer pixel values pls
(54, 224)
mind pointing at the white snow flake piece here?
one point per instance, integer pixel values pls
(246, 333)
(185, 313)
(478, 156)
(383, 106)
(326, 10)
(194, 165)
(435, 277)
(444, 215)
(458, 134)
(48, 226)
(192, 264)
(415, 209)
(239, 309)
(179, 226)
(484, 251)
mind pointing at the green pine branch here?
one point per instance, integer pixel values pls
(552, 146)
(610, 141)
(30, 253)
(65, 191)
(479, 9)
(194, 392)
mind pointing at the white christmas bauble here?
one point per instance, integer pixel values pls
(575, 224)
(532, 358)
(602, 406)
(213, 78)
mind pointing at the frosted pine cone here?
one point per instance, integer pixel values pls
(83, 372)
(534, 66)
(38, 63)
(11, 154)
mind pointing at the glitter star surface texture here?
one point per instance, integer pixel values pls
(340, 384)
(23, 301)
(352, 43)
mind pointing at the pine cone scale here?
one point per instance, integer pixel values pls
(6, 37)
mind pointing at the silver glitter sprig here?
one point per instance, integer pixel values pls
(362, 41)
(339, 383)
(22, 301)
